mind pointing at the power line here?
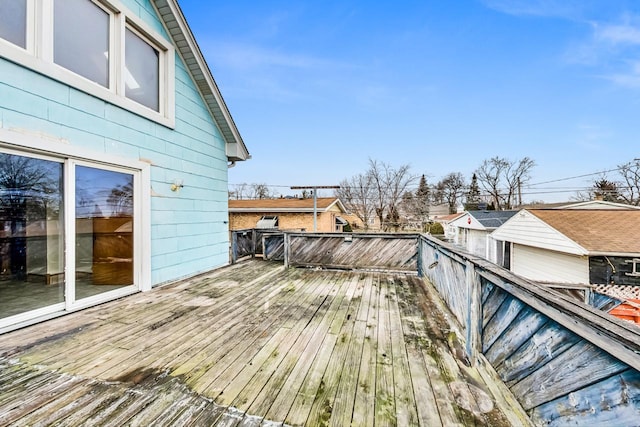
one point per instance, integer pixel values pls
(574, 177)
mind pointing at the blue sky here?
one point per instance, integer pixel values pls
(319, 88)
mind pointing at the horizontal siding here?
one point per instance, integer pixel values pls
(189, 227)
(477, 242)
(526, 229)
(547, 266)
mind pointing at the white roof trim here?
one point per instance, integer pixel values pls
(502, 233)
(276, 210)
(185, 43)
(598, 204)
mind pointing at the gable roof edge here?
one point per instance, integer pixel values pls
(186, 45)
(498, 234)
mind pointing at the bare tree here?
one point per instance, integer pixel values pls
(260, 191)
(240, 192)
(516, 175)
(630, 185)
(451, 187)
(389, 185)
(503, 178)
(356, 193)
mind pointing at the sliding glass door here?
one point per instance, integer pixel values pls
(104, 230)
(31, 234)
(52, 258)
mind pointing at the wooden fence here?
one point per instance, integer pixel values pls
(352, 251)
(566, 362)
(251, 242)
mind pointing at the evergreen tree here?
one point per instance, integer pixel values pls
(473, 196)
(422, 201)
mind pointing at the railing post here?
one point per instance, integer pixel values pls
(474, 312)
(234, 247)
(419, 260)
(286, 250)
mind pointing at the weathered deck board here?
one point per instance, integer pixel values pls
(243, 346)
(364, 404)
(406, 411)
(385, 407)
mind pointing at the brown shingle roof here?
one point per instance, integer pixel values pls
(276, 204)
(603, 231)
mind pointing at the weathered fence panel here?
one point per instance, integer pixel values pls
(353, 251)
(566, 362)
(273, 246)
(242, 244)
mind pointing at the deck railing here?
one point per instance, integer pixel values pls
(565, 361)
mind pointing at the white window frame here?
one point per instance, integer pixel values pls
(38, 56)
(635, 272)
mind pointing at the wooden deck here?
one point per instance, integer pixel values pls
(247, 345)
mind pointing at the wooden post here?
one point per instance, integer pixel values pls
(474, 312)
(419, 260)
(254, 244)
(234, 247)
(286, 250)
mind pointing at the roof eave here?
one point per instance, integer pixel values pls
(616, 254)
(275, 210)
(188, 48)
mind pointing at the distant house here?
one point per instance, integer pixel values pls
(357, 223)
(572, 246)
(288, 214)
(450, 231)
(471, 230)
(114, 147)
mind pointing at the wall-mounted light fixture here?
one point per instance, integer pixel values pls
(177, 185)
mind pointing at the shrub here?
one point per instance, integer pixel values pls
(435, 228)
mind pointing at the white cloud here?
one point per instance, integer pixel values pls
(243, 56)
(617, 34)
(569, 9)
(629, 78)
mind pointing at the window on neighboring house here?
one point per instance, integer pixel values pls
(13, 22)
(635, 268)
(81, 39)
(142, 76)
(268, 221)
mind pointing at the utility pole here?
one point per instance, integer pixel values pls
(315, 188)
(519, 193)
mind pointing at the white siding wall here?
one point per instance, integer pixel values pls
(477, 243)
(524, 228)
(548, 266)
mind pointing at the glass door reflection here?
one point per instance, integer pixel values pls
(104, 231)
(31, 234)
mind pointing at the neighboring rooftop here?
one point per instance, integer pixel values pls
(492, 219)
(598, 231)
(284, 205)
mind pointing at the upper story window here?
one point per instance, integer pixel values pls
(97, 46)
(13, 22)
(141, 75)
(81, 39)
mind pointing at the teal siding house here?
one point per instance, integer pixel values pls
(114, 148)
